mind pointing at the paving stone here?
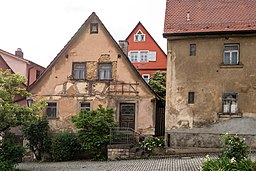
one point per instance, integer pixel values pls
(174, 163)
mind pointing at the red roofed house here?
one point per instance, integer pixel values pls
(211, 69)
(145, 54)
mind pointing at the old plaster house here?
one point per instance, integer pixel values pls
(211, 61)
(92, 70)
(144, 52)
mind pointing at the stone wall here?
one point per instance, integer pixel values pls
(202, 140)
(120, 151)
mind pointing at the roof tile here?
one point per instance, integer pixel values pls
(185, 16)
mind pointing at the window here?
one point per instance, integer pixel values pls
(231, 54)
(146, 77)
(134, 56)
(229, 101)
(94, 28)
(105, 71)
(192, 50)
(85, 106)
(143, 56)
(51, 110)
(37, 74)
(191, 97)
(139, 36)
(78, 71)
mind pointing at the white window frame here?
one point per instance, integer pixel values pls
(230, 52)
(139, 36)
(139, 53)
(103, 72)
(229, 103)
(148, 75)
(84, 108)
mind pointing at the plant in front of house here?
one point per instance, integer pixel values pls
(12, 115)
(37, 134)
(152, 142)
(234, 156)
(64, 146)
(94, 129)
(10, 152)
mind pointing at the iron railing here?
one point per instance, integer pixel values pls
(124, 135)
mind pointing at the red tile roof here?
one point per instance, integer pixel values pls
(193, 16)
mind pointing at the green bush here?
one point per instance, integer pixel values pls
(37, 134)
(234, 156)
(10, 152)
(64, 146)
(152, 142)
(94, 129)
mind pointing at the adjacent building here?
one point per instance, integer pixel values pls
(144, 52)
(92, 70)
(211, 69)
(18, 64)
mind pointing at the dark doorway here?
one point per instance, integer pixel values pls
(160, 118)
(127, 115)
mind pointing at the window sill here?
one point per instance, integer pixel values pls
(230, 115)
(231, 66)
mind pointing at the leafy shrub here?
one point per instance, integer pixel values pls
(152, 142)
(37, 134)
(94, 129)
(10, 152)
(234, 156)
(64, 146)
(234, 147)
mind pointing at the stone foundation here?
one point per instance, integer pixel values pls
(117, 152)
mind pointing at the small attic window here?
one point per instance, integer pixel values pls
(139, 36)
(94, 28)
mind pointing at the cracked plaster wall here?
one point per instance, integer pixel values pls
(203, 75)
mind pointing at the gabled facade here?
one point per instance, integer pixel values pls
(211, 61)
(18, 64)
(92, 70)
(144, 53)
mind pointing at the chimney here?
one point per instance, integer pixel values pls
(124, 46)
(19, 53)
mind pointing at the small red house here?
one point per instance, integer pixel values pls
(145, 54)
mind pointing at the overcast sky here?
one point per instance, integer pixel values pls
(42, 27)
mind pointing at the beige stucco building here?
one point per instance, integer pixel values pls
(211, 61)
(92, 70)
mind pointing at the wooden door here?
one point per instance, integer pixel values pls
(127, 115)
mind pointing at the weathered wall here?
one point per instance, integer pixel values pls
(57, 84)
(204, 75)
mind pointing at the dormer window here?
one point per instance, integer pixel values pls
(94, 28)
(139, 36)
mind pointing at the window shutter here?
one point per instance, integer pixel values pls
(152, 56)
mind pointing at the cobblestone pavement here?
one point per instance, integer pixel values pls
(190, 163)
